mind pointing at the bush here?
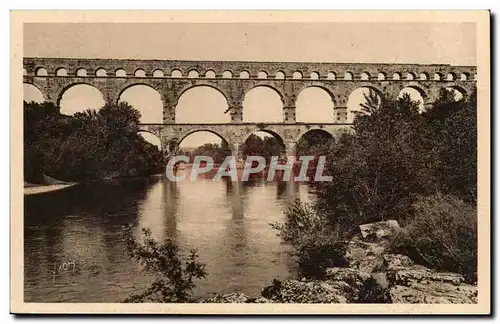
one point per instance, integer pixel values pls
(175, 277)
(373, 293)
(380, 169)
(441, 234)
(452, 135)
(317, 245)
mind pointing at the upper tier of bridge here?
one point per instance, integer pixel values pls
(234, 79)
(250, 69)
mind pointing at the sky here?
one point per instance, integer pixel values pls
(424, 43)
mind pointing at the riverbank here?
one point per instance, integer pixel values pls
(41, 189)
(48, 184)
(374, 275)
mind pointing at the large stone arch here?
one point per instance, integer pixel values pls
(372, 86)
(157, 136)
(155, 130)
(200, 83)
(276, 132)
(182, 134)
(458, 88)
(246, 112)
(178, 93)
(70, 85)
(320, 85)
(151, 105)
(133, 83)
(305, 131)
(254, 85)
(34, 87)
(329, 91)
(424, 100)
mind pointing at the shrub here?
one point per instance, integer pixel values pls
(175, 279)
(442, 234)
(452, 135)
(317, 245)
(373, 293)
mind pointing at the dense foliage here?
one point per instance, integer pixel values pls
(174, 276)
(314, 143)
(395, 159)
(317, 243)
(86, 146)
(442, 234)
(216, 151)
(265, 147)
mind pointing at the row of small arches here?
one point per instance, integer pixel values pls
(210, 74)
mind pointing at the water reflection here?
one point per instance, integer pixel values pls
(226, 222)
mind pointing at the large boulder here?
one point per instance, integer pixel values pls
(307, 292)
(379, 230)
(406, 281)
(374, 275)
(418, 284)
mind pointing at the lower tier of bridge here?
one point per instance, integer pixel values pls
(235, 134)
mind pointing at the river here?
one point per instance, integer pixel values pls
(74, 252)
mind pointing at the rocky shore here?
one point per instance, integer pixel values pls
(374, 275)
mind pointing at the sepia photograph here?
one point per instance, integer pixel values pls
(247, 162)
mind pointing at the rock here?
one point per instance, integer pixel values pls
(259, 300)
(407, 276)
(431, 293)
(373, 275)
(317, 291)
(394, 261)
(379, 230)
(405, 281)
(365, 256)
(418, 284)
(351, 276)
(227, 298)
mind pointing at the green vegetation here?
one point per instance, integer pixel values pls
(442, 234)
(265, 147)
(317, 242)
(215, 151)
(315, 143)
(90, 145)
(398, 164)
(175, 277)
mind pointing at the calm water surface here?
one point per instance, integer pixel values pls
(73, 249)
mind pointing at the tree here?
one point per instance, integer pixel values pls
(215, 151)
(175, 277)
(379, 169)
(86, 146)
(398, 164)
(452, 137)
(314, 143)
(265, 147)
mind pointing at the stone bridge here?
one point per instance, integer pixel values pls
(236, 134)
(233, 79)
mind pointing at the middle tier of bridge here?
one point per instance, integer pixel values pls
(171, 135)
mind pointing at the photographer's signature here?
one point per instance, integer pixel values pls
(72, 267)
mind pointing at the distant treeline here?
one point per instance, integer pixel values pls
(312, 143)
(89, 145)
